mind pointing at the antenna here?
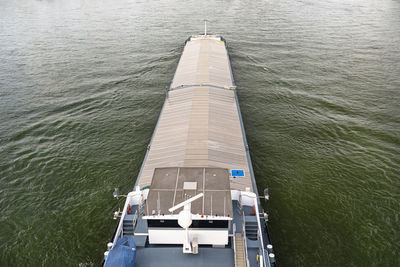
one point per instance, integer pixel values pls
(205, 27)
(185, 220)
(190, 200)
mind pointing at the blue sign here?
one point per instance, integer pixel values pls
(237, 173)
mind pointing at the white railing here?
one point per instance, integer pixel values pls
(134, 219)
(234, 242)
(118, 233)
(245, 240)
(246, 197)
(133, 198)
(262, 258)
(259, 233)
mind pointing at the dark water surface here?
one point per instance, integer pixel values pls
(81, 88)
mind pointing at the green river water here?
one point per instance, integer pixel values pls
(81, 87)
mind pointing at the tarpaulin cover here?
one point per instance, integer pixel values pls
(123, 253)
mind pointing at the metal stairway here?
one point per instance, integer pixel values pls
(239, 250)
(127, 227)
(251, 230)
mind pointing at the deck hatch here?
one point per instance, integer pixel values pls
(171, 186)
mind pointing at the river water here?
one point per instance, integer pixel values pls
(81, 88)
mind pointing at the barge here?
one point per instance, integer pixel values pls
(195, 201)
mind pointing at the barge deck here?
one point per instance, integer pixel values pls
(200, 123)
(195, 201)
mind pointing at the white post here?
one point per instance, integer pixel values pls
(234, 242)
(224, 205)
(211, 205)
(205, 27)
(158, 204)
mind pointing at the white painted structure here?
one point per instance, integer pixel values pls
(175, 236)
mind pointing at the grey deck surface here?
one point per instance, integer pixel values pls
(237, 218)
(167, 190)
(167, 256)
(200, 124)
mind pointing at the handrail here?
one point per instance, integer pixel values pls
(134, 220)
(234, 243)
(261, 254)
(121, 222)
(259, 233)
(245, 239)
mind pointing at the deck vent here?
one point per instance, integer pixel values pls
(189, 185)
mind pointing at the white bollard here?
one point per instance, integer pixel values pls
(271, 257)
(106, 255)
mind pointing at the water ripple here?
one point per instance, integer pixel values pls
(82, 84)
